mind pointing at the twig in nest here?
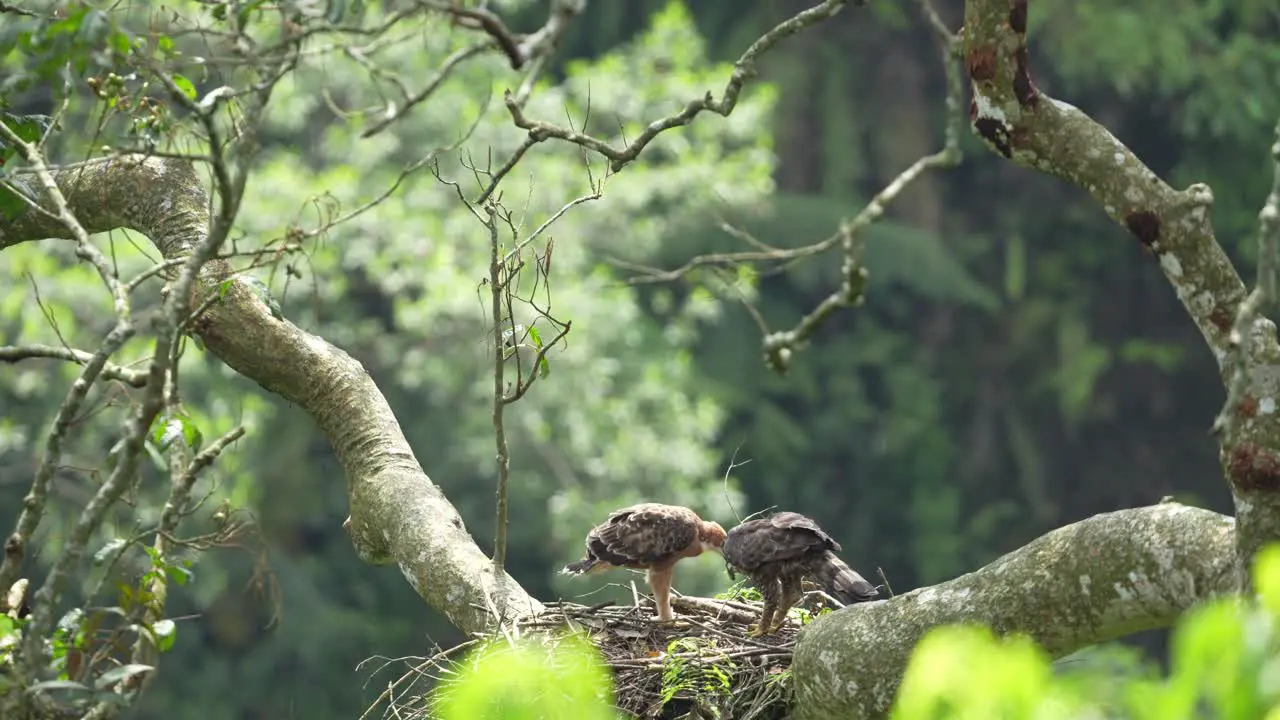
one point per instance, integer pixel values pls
(888, 588)
(661, 671)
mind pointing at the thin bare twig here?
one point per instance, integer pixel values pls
(16, 353)
(497, 279)
(779, 346)
(743, 70)
(34, 504)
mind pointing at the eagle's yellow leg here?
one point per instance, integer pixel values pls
(764, 627)
(660, 583)
(791, 594)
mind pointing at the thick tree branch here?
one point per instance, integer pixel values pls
(1037, 131)
(398, 514)
(1089, 582)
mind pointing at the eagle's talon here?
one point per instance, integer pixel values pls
(674, 624)
(753, 630)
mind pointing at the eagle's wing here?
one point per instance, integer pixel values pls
(802, 525)
(644, 534)
(785, 536)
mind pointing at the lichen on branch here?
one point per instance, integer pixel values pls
(1034, 130)
(1030, 128)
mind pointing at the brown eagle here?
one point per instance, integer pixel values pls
(778, 553)
(652, 537)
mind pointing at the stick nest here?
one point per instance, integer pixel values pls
(706, 667)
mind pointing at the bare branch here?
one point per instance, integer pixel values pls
(1089, 582)
(446, 69)
(60, 217)
(743, 70)
(498, 279)
(486, 21)
(519, 49)
(15, 10)
(16, 353)
(779, 346)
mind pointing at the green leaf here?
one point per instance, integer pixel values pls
(336, 10)
(11, 206)
(566, 681)
(186, 86)
(165, 633)
(94, 27)
(29, 128)
(117, 674)
(59, 685)
(179, 575)
(544, 366)
(156, 458)
(120, 43)
(264, 294)
(167, 428)
(108, 550)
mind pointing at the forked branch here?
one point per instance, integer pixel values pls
(1032, 129)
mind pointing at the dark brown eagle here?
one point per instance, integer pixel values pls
(652, 537)
(778, 553)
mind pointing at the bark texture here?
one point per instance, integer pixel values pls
(1034, 130)
(397, 514)
(1095, 580)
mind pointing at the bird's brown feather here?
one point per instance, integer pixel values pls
(642, 535)
(779, 551)
(648, 536)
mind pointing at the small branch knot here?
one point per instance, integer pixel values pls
(777, 351)
(1199, 195)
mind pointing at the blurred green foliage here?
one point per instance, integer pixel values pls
(1223, 664)
(528, 680)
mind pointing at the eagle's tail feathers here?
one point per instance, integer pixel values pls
(842, 583)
